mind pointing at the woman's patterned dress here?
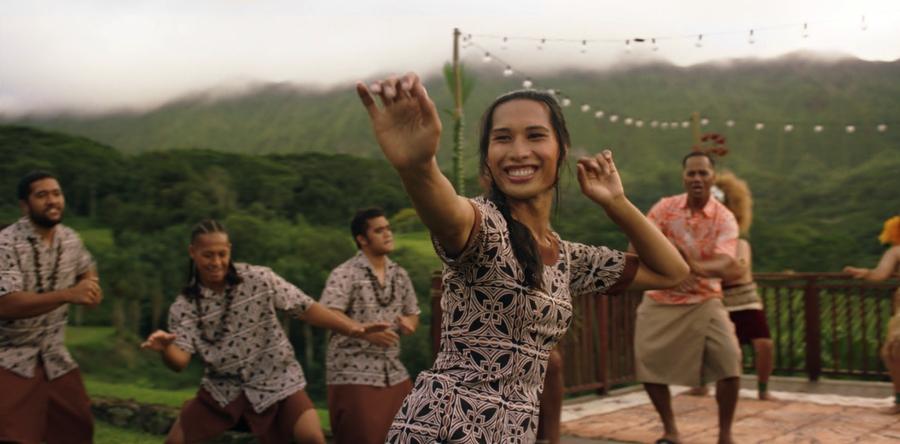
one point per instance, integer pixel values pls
(497, 334)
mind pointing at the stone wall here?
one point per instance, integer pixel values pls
(151, 418)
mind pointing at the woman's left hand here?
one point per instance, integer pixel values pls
(599, 179)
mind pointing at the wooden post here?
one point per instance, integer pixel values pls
(813, 334)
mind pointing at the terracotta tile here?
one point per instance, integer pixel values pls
(755, 422)
(875, 438)
(637, 435)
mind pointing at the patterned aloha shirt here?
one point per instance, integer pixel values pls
(250, 353)
(30, 265)
(354, 289)
(497, 334)
(702, 235)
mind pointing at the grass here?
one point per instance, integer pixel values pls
(420, 243)
(77, 336)
(97, 239)
(108, 434)
(144, 395)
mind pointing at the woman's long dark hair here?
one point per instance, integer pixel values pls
(524, 246)
(191, 289)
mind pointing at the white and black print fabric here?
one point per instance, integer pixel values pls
(252, 354)
(496, 336)
(29, 265)
(353, 289)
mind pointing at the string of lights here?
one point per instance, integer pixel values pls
(542, 42)
(661, 124)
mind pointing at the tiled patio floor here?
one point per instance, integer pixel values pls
(809, 419)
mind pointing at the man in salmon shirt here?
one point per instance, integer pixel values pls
(684, 334)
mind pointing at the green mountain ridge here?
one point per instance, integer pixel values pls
(802, 89)
(810, 188)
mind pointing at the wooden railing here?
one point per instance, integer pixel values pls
(821, 324)
(826, 323)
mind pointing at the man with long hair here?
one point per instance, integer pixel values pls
(44, 267)
(226, 314)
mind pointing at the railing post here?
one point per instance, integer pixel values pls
(436, 313)
(813, 329)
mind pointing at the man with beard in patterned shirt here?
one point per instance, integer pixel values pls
(366, 380)
(44, 267)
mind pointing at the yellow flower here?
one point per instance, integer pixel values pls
(891, 233)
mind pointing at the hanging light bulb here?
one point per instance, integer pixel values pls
(664, 125)
(566, 101)
(541, 45)
(673, 125)
(863, 24)
(685, 124)
(551, 91)
(704, 121)
(487, 58)
(655, 46)
(882, 128)
(527, 83)
(699, 42)
(613, 118)
(654, 124)
(629, 121)
(850, 129)
(639, 123)
(628, 46)
(585, 108)
(505, 44)
(760, 126)
(805, 33)
(729, 123)
(583, 46)
(788, 128)
(818, 128)
(598, 114)
(508, 71)
(751, 40)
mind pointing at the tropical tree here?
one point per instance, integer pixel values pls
(467, 81)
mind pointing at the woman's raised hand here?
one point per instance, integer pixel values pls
(599, 179)
(407, 126)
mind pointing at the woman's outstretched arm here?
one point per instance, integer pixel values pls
(888, 264)
(408, 128)
(661, 264)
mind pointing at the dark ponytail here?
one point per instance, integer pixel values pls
(191, 289)
(522, 242)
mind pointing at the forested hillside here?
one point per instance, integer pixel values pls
(799, 89)
(286, 168)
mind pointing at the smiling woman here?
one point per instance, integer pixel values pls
(507, 278)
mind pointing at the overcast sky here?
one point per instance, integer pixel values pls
(101, 55)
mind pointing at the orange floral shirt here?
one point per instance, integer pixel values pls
(700, 235)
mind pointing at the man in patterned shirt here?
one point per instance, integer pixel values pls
(366, 380)
(226, 314)
(44, 267)
(684, 334)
